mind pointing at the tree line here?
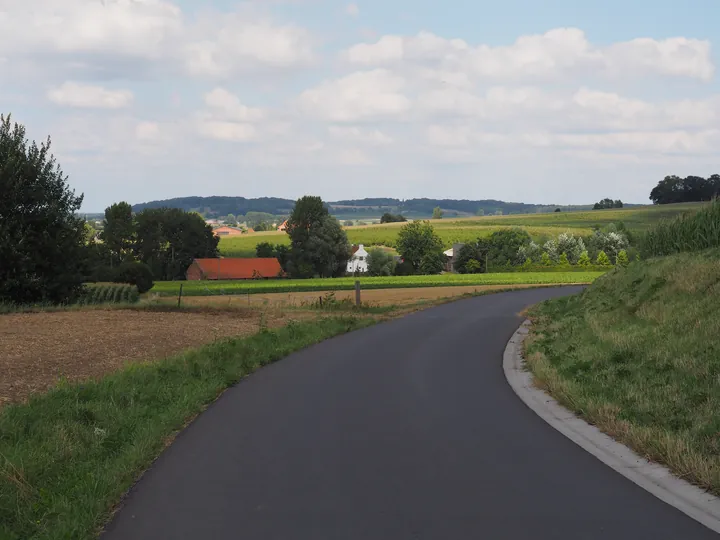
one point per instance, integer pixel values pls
(674, 189)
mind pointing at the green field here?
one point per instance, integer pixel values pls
(452, 231)
(206, 288)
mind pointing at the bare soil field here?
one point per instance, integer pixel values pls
(377, 297)
(38, 349)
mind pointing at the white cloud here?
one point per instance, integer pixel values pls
(353, 10)
(360, 95)
(228, 131)
(91, 97)
(228, 105)
(561, 51)
(373, 137)
(111, 38)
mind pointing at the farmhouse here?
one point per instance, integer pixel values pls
(228, 231)
(358, 261)
(283, 226)
(232, 268)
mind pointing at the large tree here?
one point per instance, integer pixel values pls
(42, 241)
(673, 189)
(318, 244)
(417, 242)
(118, 232)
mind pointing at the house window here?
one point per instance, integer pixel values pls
(362, 258)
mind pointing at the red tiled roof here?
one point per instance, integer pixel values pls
(354, 250)
(239, 268)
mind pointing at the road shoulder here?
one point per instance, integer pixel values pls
(656, 479)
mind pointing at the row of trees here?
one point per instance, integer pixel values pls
(673, 189)
(606, 204)
(165, 239)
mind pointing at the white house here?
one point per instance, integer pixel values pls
(358, 261)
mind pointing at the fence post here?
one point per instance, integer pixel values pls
(357, 292)
(180, 295)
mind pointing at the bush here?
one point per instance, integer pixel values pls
(473, 267)
(432, 263)
(380, 263)
(135, 273)
(563, 261)
(622, 259)
(104, 293)
(404, 268)
(603, 259)
(545, 259)
(584, 259)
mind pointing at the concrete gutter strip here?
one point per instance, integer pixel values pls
(657, 479)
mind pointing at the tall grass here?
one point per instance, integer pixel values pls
(689, 232)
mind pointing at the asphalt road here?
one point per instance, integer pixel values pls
(403, 431)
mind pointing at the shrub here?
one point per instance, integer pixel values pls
(545, 259)
(622, 258)
(584, 259)
(563, 261)
(473, 267)
(432, 263)
(404, 268)
(603, 259)
(135, 273)
(380, 263)
(571, 246)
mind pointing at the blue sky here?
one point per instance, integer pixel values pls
(547, 102)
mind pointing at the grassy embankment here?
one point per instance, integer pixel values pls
(67, 457)
(539, 226)
(638, 352)
(206, 288)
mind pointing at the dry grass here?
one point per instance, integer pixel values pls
(39, 349)
(375, 297)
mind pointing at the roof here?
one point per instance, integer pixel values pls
(233, 268)
(449, 252)
(229, 227)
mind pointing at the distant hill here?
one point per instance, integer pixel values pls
(216, 206)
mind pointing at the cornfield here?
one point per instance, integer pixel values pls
(689, 232)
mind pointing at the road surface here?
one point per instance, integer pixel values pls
(403, 431)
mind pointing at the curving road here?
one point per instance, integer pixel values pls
(403, 431)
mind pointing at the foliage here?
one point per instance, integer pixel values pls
(319, 245)
(673, 189)
(637, 355)
(262, 227)
(43, 249)
(473, 266)
(606, 204)
(418, 242)
(504, 245)
(545, 259)
(609, 240)
(689, 232)
(135, 273)
(404, 268)
(603, 259)
(68, 456)
(622, 258)
(380, 263)
(210, 287)
(265, 250)
(432, 262)
(392, 218)
(348, 223)
(437, 213)
(118, 232)
(473, 251)
(109, 293)
(584, 259)
(563, 260)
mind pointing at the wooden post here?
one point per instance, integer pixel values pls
(180, 295)
(357, 292)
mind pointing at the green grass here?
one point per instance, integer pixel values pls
(456, 230)
(206, 288)
(638, 355)
(688, 232)
(67, 457)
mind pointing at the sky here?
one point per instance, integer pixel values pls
(553, 102)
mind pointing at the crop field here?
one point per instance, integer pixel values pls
(206, 288)
(458, 230)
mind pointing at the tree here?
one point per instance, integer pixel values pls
(231, 220)
(392, 218)
(118, 232)
(43, 249)
(473, 266)
(607, 204)
(558, 210)
(622, 258)
(584, 259)
(417, 241)
(437, 213)
(545, 259)
(262, 227)
(318, 244)
(673, 189)
(472, 251)
(264, 250)
(432, 262)
(603, 259)
(348, 223)
(505, 244)
(480, 212)
(563, 261)
(135, 273)
(380, 263)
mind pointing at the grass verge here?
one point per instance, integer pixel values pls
(638, 355)
(66, 457)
